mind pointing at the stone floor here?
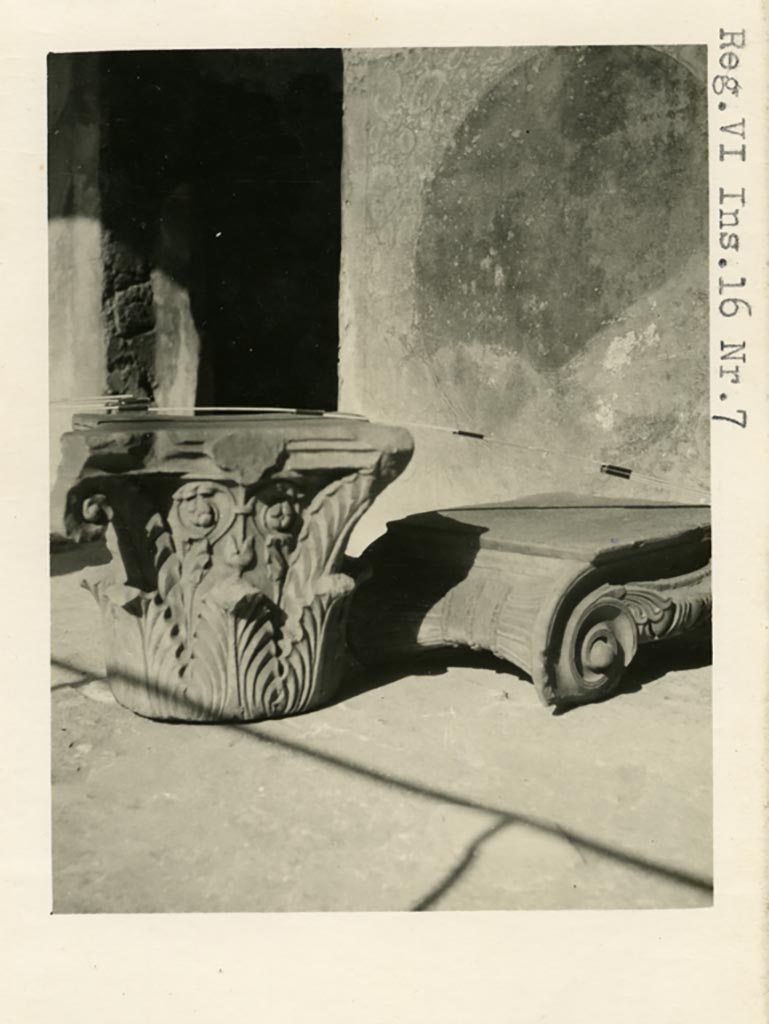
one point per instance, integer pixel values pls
(451, 789)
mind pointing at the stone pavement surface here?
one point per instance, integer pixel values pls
(448, 789)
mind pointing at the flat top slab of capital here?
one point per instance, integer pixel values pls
(588, 528)
(244, 442)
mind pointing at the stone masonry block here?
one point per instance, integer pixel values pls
(133, 311)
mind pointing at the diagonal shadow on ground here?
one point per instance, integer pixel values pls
(504, 815)
(462, 865)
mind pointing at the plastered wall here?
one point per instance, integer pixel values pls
(524, 254)
(77, 363)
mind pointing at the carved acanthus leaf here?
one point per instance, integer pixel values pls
(665, 608)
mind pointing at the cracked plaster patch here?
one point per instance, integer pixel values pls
(620, 350)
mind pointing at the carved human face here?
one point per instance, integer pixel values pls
(280, 509)
(279, 516)
(196, 507)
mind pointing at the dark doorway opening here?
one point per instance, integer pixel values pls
(222, 169)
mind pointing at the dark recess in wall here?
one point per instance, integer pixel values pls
(222, 168)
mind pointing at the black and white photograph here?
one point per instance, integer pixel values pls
(385, 450)
(380, 520)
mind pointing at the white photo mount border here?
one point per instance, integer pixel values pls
(670, 966)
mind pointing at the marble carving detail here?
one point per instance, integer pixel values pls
(603, 632)
(228, 587)
(563, 621)
(241, 587)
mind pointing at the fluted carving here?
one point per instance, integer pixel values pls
(224, 599)
(533, 597)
